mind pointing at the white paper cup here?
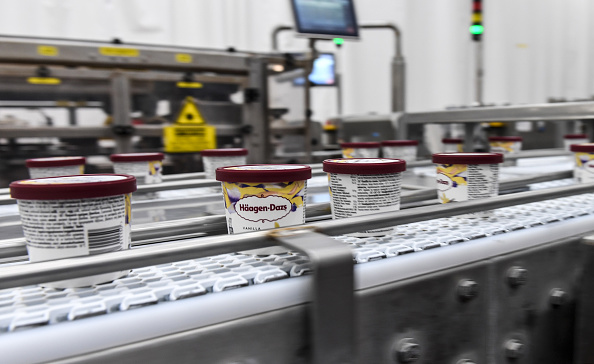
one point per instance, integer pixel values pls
(217, 158)
(583, 171)
(452, 145)
(402, 149)
(570, 139)
(360, 149)
(71, 216)
(364, 186)
(467, 176)
(55, 166)
(146, 167)
(264, 196)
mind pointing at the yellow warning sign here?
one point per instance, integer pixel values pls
(189, 113)
(189, 138)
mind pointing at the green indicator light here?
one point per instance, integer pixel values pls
(338, 41)
(476, 29)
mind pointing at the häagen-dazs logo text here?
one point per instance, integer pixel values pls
(269, 208)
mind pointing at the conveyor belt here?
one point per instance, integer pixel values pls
(32, 306)
(169, 298)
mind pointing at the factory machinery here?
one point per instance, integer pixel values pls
(127, 82)
(444, 287)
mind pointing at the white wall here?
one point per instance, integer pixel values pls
(534, 49)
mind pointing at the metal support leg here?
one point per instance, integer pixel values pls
(398, 84)
(469, 137)
(332, 310)
(255, 113)
(120, 111)
(584, 351)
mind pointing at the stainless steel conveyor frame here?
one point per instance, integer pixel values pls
(332, 325)
(119, 65)
(471, 116)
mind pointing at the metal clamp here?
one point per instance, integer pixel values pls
(332, 324)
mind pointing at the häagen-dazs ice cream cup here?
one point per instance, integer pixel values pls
(583, 171)
(217, 158)
(569, 139)
(402, 149)
(71, 216)
(467, 176)
(452, 145)
(264, 196)
(55, 166)
(363, 186)
(146, 167)
(505, 144)
(360, 149)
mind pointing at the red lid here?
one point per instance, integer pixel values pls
(360, 145)
(228, 152)
(73, 187)
(399, 143)
(55, 162)
(505, 139)
(575, 136)
(452, 141)
(137, 157)
(264, 173)
(585, 147)
(467, 158)
(364, 165)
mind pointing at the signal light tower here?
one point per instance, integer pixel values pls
(476, 30)
(476, 27)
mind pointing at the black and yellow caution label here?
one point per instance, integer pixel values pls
(189, 113)
(189, 138)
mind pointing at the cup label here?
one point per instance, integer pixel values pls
(262, 206)
(462, 182)
(584, 167)
(364, 194)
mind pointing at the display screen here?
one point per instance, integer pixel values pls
(325, 18)
(322, 74)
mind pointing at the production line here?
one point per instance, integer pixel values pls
(209, 217)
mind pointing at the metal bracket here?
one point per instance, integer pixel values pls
(123, 130)
(332, 309)
(251, 95)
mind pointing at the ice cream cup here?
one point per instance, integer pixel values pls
(505, 144)
(403, 149)
(216, 158)
(452, 145)
(71, 216)
(583, 171)
(467, 176)
(569, 139)
(55, 166)
(263, 196)
(146, 167)
(364, 186)
(360, 149)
